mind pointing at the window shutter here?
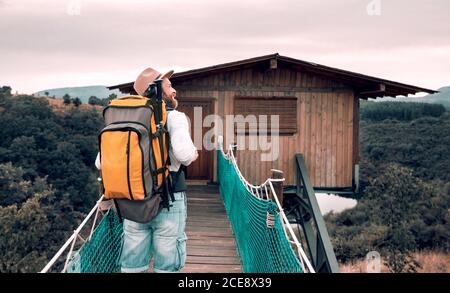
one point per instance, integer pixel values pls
(284, 107)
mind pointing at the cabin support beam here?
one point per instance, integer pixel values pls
(302, 206)
(379, 90)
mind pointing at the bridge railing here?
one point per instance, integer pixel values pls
(96, 252)
(264, 193)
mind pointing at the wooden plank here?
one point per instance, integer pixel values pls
(308, 131)
(208, 251)
(350, 141)
(201, 215)
(259, 164)
(334, 139)
(203, 200)
(339, 155)
(277, 77)
(324, 146)
(203, 205)
(237, 78)
(197, 234)
(218, 245)
(304, 80)
(249, 77)
(313, 80)
(193, 218)
(221, 260)
(312, 146)
(356, 131)
(211, 268)
(298, 78)
(318, 144)
(204, 227)
(207, 209)
(344, 139)
(210, 201)
(210, 215)
(289, 169)
(329, 132)
(223, 219)
(286, 77)
(302, 122)
(293, 79)
(347, 140)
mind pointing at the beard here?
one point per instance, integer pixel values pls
(172, 102)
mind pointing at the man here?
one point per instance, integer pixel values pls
(164, 237)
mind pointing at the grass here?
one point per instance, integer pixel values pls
(430, 261)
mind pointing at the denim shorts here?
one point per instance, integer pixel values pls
(163, 239)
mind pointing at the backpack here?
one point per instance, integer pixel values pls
(134, 155)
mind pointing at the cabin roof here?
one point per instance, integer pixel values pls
(365, 86)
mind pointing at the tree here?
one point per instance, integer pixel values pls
(13, 189)
(77, 102)
(5, 91)
(66, 99)
(23, 230)
(47, 94)
(112, 96)
(396, 194)
(24, 225)
(93, 100)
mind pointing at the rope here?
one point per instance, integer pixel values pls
(237, 205)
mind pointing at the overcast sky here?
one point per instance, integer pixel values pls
(60, 43)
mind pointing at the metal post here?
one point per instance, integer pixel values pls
(277, 185)
(309, 216)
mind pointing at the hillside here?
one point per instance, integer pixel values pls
(404, 204)
(83, 92)
(59, 106)
(442, 97)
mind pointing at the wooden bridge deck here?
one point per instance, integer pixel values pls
(211, 247)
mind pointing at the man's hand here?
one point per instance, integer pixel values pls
(196, 155)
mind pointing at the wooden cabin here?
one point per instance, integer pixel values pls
(318, 108)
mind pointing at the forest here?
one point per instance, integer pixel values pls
(47, 178)
(404, 202)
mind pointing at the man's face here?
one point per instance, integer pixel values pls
(168, 91)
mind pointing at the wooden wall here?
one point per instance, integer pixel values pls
(326, 110)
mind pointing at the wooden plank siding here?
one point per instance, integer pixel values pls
(327, 130)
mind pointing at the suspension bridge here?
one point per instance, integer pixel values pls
(233, 227)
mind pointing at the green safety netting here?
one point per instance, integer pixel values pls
(101, 253)
(261, 248)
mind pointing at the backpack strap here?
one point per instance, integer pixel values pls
(133, 97)
(156, 100)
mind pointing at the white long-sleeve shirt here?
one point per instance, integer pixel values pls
(182, 150)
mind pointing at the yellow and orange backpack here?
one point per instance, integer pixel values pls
(134, 155)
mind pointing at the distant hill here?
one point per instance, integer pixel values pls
(83, 92)
(443, 97)
(58, 105)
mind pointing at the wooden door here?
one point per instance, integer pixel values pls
(200, 169)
